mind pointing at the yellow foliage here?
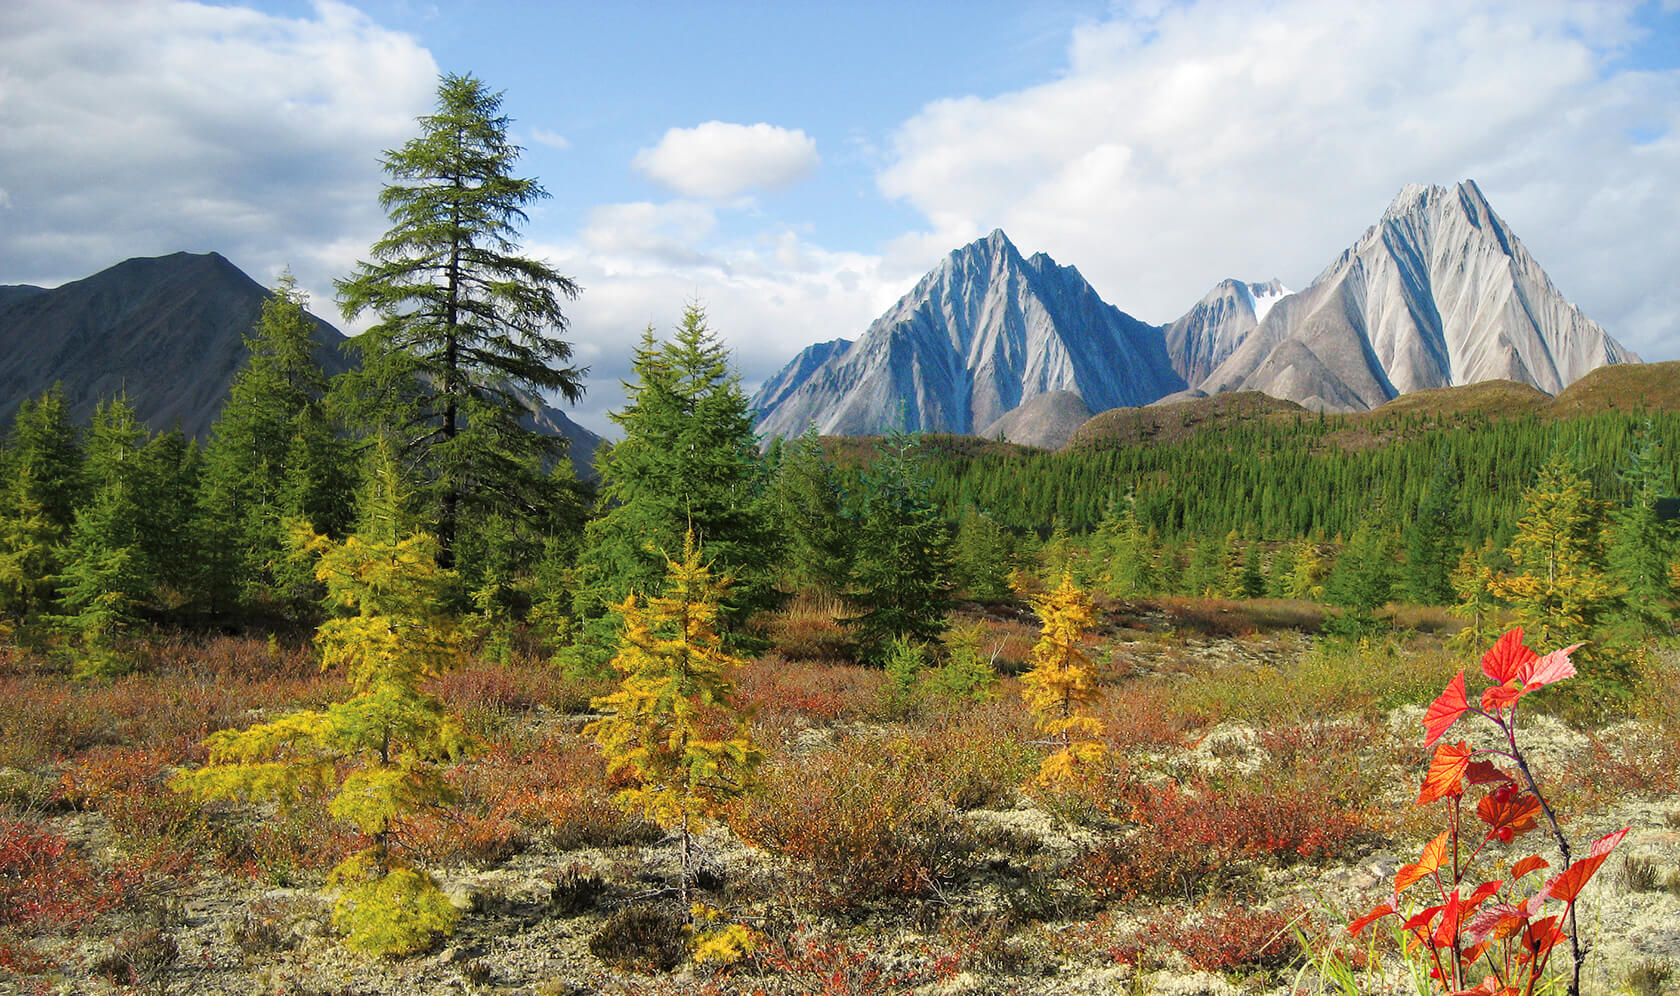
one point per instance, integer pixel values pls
(388, 907)
(674, 669)
(1063, 678)
(375, 754)
(712, 939)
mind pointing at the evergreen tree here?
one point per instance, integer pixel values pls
(1061, 681)
(899, 575)
(1642, 546)
(904, 667)
(1432, 539)
(980, 560)
(463, 337)
(675, 691)
(1128, 550)
(40, 487)
(379, 752)
(966, 676)
(107, 580)
(688, 462)
(1252, 581)
(272, 457)
(1557, 585)
(1362, 579)
(805, 493)
(1205, 576)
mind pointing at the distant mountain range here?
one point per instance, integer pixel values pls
(1438, 293)
(168, 332)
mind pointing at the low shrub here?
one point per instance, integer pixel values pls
(641, 939)
(1218, 937)
(868, 828)
(46, 885)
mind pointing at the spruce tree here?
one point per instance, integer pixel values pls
(900, 575)
(688, 462)
(660, 728)
(273, 456)
(810, 514)
(464, 336)
(40, 487)
(1362, 579)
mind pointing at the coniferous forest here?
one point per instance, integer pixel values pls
(369, 691)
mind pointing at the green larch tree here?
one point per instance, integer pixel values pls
(273, 456)
(466, 335)
(810, 515)
(688, 462)
(1642, 545)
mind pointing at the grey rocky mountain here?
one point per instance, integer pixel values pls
(168, 332)
(1212, 330)
(1438, 293)
(982, 333)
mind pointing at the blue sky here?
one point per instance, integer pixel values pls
(796, 166)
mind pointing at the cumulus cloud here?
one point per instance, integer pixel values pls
(151, 126)
(1226, 139)
(766, 296)
(719, 160)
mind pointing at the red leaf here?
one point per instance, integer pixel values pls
(1533, 862)
(1508, 655)
(1447, 932)
(1446, 773)
(1495, 923)
(1483, 772)
(1377, 913)
(1481, 894)
(1499, 696)
(1445, 710)
(1568, 885)
(1434, 855)
(1554, 666)
(1422, 919)
(1503, 810)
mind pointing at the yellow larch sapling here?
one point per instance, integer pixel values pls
(378, 754)
(1062, 681)
(673, 724)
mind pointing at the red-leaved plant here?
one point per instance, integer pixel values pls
(1494, 929)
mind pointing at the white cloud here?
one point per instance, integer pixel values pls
(767, 296)
(147, 127)
(552, 139)
(1227, 139)
(719, 160)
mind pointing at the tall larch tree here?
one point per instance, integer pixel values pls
(40, 487)
(467, 328)
(1642, 545)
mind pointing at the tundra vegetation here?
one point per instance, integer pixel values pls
(368, 694)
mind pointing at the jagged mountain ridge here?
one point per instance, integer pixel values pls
(1438, 293)
(168, 332)
(983, 332)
